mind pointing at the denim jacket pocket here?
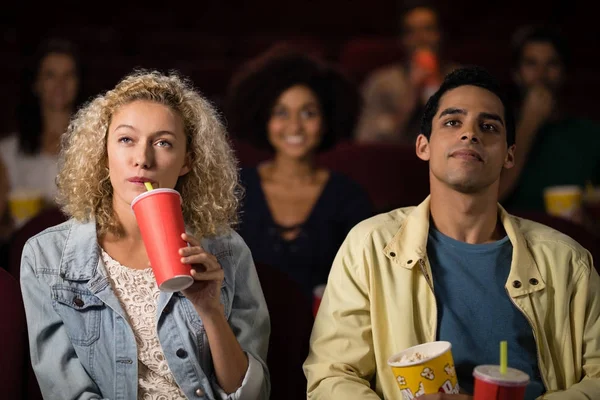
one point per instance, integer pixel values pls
(80, 311)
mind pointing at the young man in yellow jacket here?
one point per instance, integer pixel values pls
(459, 268)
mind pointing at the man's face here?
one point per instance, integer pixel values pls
(467, 147)
(420, 30)
(540, 64)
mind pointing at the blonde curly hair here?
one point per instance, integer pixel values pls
(210, 190)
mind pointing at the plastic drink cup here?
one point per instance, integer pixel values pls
(425, 369)
(317, 297)
(428, 61)
(491, 384)
(159, 216)
(24, 204)
(563, 201)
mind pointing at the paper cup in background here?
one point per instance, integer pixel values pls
(491, 384)
(563, 201)
(317, 297)
(425, 369)
(24, 204)
(159, 216)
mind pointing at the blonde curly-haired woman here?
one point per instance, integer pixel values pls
(98, 325)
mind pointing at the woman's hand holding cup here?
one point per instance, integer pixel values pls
(205, 292)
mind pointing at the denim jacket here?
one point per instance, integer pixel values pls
(82, 346)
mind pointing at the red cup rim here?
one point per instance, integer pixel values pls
(520, 378)
(153, 192)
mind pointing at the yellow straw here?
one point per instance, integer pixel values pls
(503, 356)
(148, 186)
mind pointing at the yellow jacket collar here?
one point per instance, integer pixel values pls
(409, 246)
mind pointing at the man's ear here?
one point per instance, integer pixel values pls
(509, 160)
(422, 147)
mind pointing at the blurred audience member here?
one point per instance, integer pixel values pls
(395, 95)
(295, 215)
(553, 147)
(29, 156)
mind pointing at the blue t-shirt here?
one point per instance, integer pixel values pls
(475, 312)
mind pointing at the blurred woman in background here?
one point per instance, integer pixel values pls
(295, 214)
(29, 156)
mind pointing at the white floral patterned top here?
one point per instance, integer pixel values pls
(138, 293)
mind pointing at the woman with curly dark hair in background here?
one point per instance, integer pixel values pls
(295, 214)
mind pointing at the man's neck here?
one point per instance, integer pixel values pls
(469, 218)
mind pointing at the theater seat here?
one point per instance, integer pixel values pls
(17, 380)
(575, 231)
(362, 55)
(13, 334)
(45, 219)
(291, 326)
(392, 174)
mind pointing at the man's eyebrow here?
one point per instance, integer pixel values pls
(453, 110)
(495, 117)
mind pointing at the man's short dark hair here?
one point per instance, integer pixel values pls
(469, 76)
(539, 34)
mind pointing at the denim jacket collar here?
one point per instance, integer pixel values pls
(81, 254)
(81, 262)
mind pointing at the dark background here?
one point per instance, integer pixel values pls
(207, 40)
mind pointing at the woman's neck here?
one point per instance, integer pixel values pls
(292, 170)
(130, 228)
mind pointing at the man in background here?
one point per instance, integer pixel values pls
(553, 147)
(394, 95)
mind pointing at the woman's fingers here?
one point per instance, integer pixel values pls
(188, 251)
(207, 260)
(190, 239)
(214, 275)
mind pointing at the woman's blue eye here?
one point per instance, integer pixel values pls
(163, 143)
